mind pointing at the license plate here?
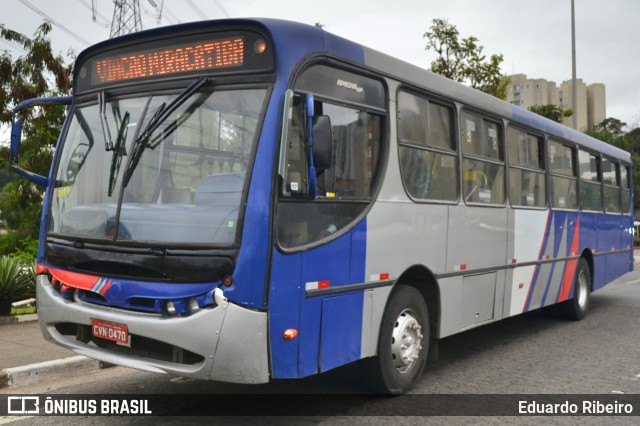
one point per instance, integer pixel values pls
(111, 331)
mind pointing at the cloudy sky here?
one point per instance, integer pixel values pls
(533, 35)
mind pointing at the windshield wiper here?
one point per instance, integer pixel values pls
(163, 112)
(119, 151)
(102, 113)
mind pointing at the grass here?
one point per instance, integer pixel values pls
(23, 310)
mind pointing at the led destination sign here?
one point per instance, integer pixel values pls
(176, 59)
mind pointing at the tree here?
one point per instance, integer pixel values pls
(463, 60)
(612, 125)
(632, 141)
(611, 131)
(552, 112)
(39, 72)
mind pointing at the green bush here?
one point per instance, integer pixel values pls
(17, 282)
(14, 244)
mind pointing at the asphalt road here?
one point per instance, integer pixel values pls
(528, 354)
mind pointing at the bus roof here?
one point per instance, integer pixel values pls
(294, 41)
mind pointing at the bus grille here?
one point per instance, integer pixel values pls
(143, 347)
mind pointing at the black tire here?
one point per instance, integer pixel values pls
(403, 344)
(576, 308)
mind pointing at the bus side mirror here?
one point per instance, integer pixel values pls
(319, 142)
(16, 136)
(322, 142)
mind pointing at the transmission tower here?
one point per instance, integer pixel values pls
(126, 18)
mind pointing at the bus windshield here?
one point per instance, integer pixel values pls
(180, 183)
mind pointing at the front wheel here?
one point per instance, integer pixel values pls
(403, 343)
(576, 308)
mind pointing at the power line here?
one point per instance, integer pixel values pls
(54, 22)
(14, 45)
(197, 10)
(96, 14)
(222, 8)
(171, 15)
(157, 16)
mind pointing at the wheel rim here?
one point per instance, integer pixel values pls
(406, 342)
(583, 284)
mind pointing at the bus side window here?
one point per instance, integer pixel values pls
(563, 178)
(342, 187)
(428, 160)
(356, 139)
(611, 178)
(483, 160)
(527, 180)
(590, 181)
(625, 175)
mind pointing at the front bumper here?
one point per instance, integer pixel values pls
(230, 341)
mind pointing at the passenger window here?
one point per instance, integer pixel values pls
(441, 127)
(483, 160)
(626, 189)
(356, 140)
(412, 119)
(428, 161)
(611, 179)
(590, 181)
(562, 176)
(527, 183)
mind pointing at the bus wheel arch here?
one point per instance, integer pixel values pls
(587, 255)
(406, 333)
(577, 307)
(423, 280)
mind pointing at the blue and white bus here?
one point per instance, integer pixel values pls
(247, 200)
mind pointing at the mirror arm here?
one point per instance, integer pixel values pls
(53, 100)
(31, 177)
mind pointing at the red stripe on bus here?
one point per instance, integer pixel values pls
(73, 279)
(570, 270)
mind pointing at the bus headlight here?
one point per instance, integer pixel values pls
(193, 306)
(171, 308)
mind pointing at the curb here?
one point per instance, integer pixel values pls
(48, 370)
(14, 319)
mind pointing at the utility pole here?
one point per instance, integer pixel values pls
(126, 18)
(574, 88)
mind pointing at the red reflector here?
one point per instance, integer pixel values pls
(324, 284)
(228, 281)
(290, 334)
(41, 269)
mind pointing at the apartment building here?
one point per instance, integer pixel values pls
(591, 103)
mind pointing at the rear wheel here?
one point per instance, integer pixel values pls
(576, 308)
(403, 344)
